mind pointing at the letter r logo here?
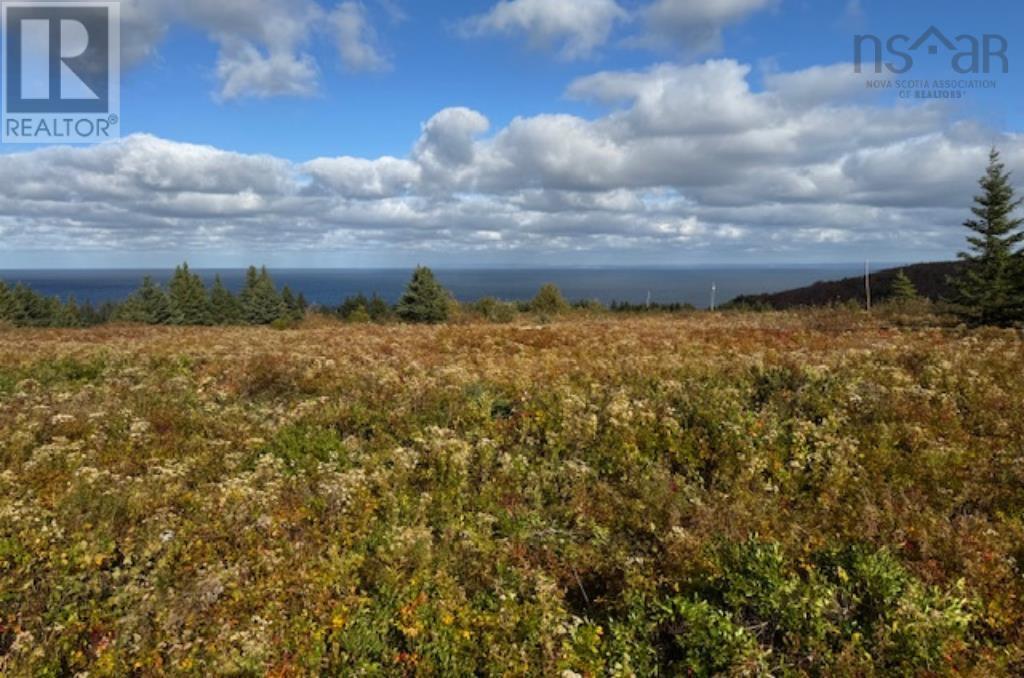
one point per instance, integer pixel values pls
(58, 57)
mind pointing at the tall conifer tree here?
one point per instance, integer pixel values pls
(989, 289)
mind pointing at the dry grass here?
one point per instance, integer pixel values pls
(807, 493)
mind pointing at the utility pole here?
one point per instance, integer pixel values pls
(867, 283)
(648, 300)
(714, 291)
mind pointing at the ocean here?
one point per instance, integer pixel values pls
(330, 287)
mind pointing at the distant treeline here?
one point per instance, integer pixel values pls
(186, 300)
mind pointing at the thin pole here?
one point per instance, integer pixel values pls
(867, 283)
(714, 290)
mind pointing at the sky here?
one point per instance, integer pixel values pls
(301, 133)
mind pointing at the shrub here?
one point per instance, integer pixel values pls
(549, 301)
(496, 311)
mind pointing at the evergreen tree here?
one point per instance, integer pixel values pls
(902, 288)
(292, 310)
(424, 300)
(91, 315)
(252, 276)
(302, 303)
(353, 304)
(989, 289)
(190, 305)
(378, 309)
(69, 314)
(549, 301)
(30, 309)
(225, 308)
(261, 304)
(6, 303)
(149, 304)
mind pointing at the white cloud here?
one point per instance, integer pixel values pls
(264, 44)
(245, 71)
(362, 178)
(574, 27)
(356, 38)
(784, 172)
(694, 25)
(705, 98)
(818, 84)
(446, 148)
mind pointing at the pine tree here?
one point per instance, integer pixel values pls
(149, 304)
(225, 308)
(424, 300)
(989, 289)
(261, 304)
(69, 314)
(902, 289)
(190, 305)
(53, 313)
(252, 276)
(293, 312)
(353, 304)
(378, 309)
(6, 303)
(28, 308)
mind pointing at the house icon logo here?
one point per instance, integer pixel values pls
(933, 48)
(968, 54)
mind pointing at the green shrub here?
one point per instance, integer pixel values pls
(496, 311)
(549, 301)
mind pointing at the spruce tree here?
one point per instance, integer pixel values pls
(902, 289)
(353, 304)
(54, 313)
(261, 304)
(424, 300)
(293, 312)
(225, 308)
(190, 305)
(149, 304)
(70, 315)
(989, 289)
(6, 303)
(252, 276)
(378, 309)
(28, 308)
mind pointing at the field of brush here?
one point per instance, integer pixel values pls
(813, 493)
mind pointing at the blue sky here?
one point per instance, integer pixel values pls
(584, 132)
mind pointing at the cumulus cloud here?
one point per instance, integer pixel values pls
(356, 39)
(362, 178)
(575, 27)
(694, 25)
(264, 45)
(784, 172)
(246, 71)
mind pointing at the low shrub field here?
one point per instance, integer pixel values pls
(807, 493)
